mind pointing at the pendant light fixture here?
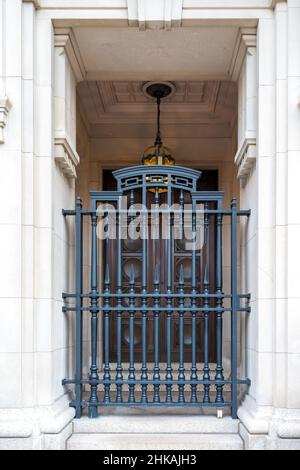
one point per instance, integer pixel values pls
(158, 154)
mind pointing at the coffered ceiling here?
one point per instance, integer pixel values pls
(119, 109)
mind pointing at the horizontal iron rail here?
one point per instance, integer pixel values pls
(161, 404)
(157, 295)
(157, 309)
(241, 213)
(156, 381)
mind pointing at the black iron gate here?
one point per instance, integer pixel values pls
(156, 206)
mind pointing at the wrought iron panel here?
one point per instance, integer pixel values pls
(158, 305)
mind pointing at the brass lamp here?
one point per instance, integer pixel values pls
(158, 154)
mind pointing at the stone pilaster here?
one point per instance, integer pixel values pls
(270, 414)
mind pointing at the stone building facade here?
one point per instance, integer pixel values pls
(71, 106)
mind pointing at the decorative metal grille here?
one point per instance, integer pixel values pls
(181, 309)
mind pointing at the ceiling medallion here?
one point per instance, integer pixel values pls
(166, 89)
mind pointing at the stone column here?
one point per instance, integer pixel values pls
(270, 415)
(293, 215)
(35, 245)
(16, 219)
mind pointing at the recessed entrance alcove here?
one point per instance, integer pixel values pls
(201, 123)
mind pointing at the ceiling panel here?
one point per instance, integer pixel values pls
(180, 54)
(114, 108)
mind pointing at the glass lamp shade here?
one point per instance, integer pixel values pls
(158, 155)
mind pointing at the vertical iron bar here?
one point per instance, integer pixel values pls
(181, 203)
(156, 371)
(94, 309)
(234, 306)
(206, 224)
(219, 303)
(78, 387)
(119, 369)
(206, 371)
(144, 372)
(169, 370)
(193, 304)
(181, 374)
(106, 312)
(131, 370)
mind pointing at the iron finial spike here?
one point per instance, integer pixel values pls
(234, 203)
(181, 275)
(106, 278)
(131, 275)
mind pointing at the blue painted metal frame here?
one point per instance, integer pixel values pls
(206, 303)
(172, 177)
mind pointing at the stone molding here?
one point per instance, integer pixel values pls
(246, 39)
(64, 37)
(113, 107)
(146, 15)
(274, 2)
(66, 156)
(256, 421)
(244, 48)
(5, 107)
(36, 3)
(65, 153)
(245, 157)
(38, 428)
(267, 427)
(172, 10)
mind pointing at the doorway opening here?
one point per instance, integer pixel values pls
(156, 257)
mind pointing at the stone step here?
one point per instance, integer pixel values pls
(155, 432)
(168, 441)
(152, 424)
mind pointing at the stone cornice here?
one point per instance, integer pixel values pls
(141, 13)
(172, 11)
(246, 39)
(274, 2)
(245, 157)
(36, 3)
(5, 106)
(64, 37)
(66, 156)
